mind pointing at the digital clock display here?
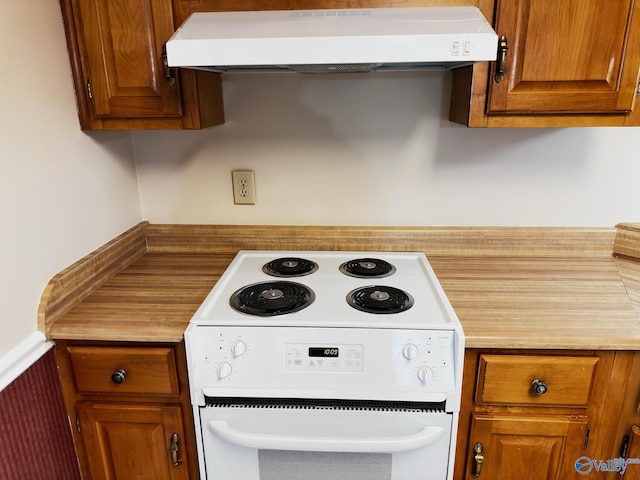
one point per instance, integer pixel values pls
(323, 352)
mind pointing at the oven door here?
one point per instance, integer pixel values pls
(271, 442)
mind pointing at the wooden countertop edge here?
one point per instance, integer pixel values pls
(519, 343)
(73, 284)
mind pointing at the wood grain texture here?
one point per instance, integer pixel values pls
(74, 283)
(159, 380)
(627, 240)
(510, 287)
(587, 70)
(152, 299)
(595, 68)
(540, 302)
(601, 412)
(453, 241)
(148, 370)
(507, 380)
(630, 273)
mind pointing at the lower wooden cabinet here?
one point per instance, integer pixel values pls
(632, 470)
(526, 447)
(628, 433)
(130, 406)
(133, 441)
(540, 415)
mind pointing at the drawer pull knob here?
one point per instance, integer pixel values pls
(478, 460)
(539, 387)
(118, 376)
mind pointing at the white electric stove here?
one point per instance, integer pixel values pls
(291, 347)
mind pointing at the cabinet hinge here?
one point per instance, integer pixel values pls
(586, 440)
(638, 90)
(89, 91)
(77, 422)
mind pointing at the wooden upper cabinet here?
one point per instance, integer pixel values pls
(120, 78)
(568, 63)
(124, 41)
(565, 56)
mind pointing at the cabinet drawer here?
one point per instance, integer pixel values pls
(509, 379)
(142, 371)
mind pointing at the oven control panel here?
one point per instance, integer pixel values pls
(305, 357)
(335, 362)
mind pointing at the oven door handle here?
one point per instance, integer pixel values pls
(326, 444)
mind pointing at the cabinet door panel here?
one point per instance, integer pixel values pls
(131, 441)
(566, 56)
(124, 42)
(527, 448)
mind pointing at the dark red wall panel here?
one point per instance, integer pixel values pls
(35, 437)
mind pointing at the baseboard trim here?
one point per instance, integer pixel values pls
(20, 358)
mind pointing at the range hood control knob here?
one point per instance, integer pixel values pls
(224, 370)
(410, 351)
(425, 374)
(239, 348)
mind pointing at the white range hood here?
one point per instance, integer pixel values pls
(333, 40)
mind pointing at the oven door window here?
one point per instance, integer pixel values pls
(297, 465)
(306, 443)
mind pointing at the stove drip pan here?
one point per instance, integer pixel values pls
(267, 299)
(379, 299)
(290, 267)
(367, 268)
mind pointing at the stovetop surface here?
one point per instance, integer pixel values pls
(330, 286)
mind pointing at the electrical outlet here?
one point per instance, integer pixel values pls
(244, 187)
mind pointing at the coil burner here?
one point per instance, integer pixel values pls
(290, 267)
(380, 299)
(367, 268)
(267, 299)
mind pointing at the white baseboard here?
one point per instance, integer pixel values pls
(25, 354)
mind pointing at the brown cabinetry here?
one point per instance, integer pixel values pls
(563, 63)
(566, 63)
(131, 441)
(532, 415)
(632, 470)
(628, 434)
(527, 446)
(131, 409)
(120, 77)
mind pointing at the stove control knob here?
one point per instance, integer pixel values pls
(410, 351)
(224, 370)
(425, 374)
(239, 348)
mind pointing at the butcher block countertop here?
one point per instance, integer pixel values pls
(533, 288)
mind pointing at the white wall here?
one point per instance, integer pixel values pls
(62, 193)
(378, 150)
